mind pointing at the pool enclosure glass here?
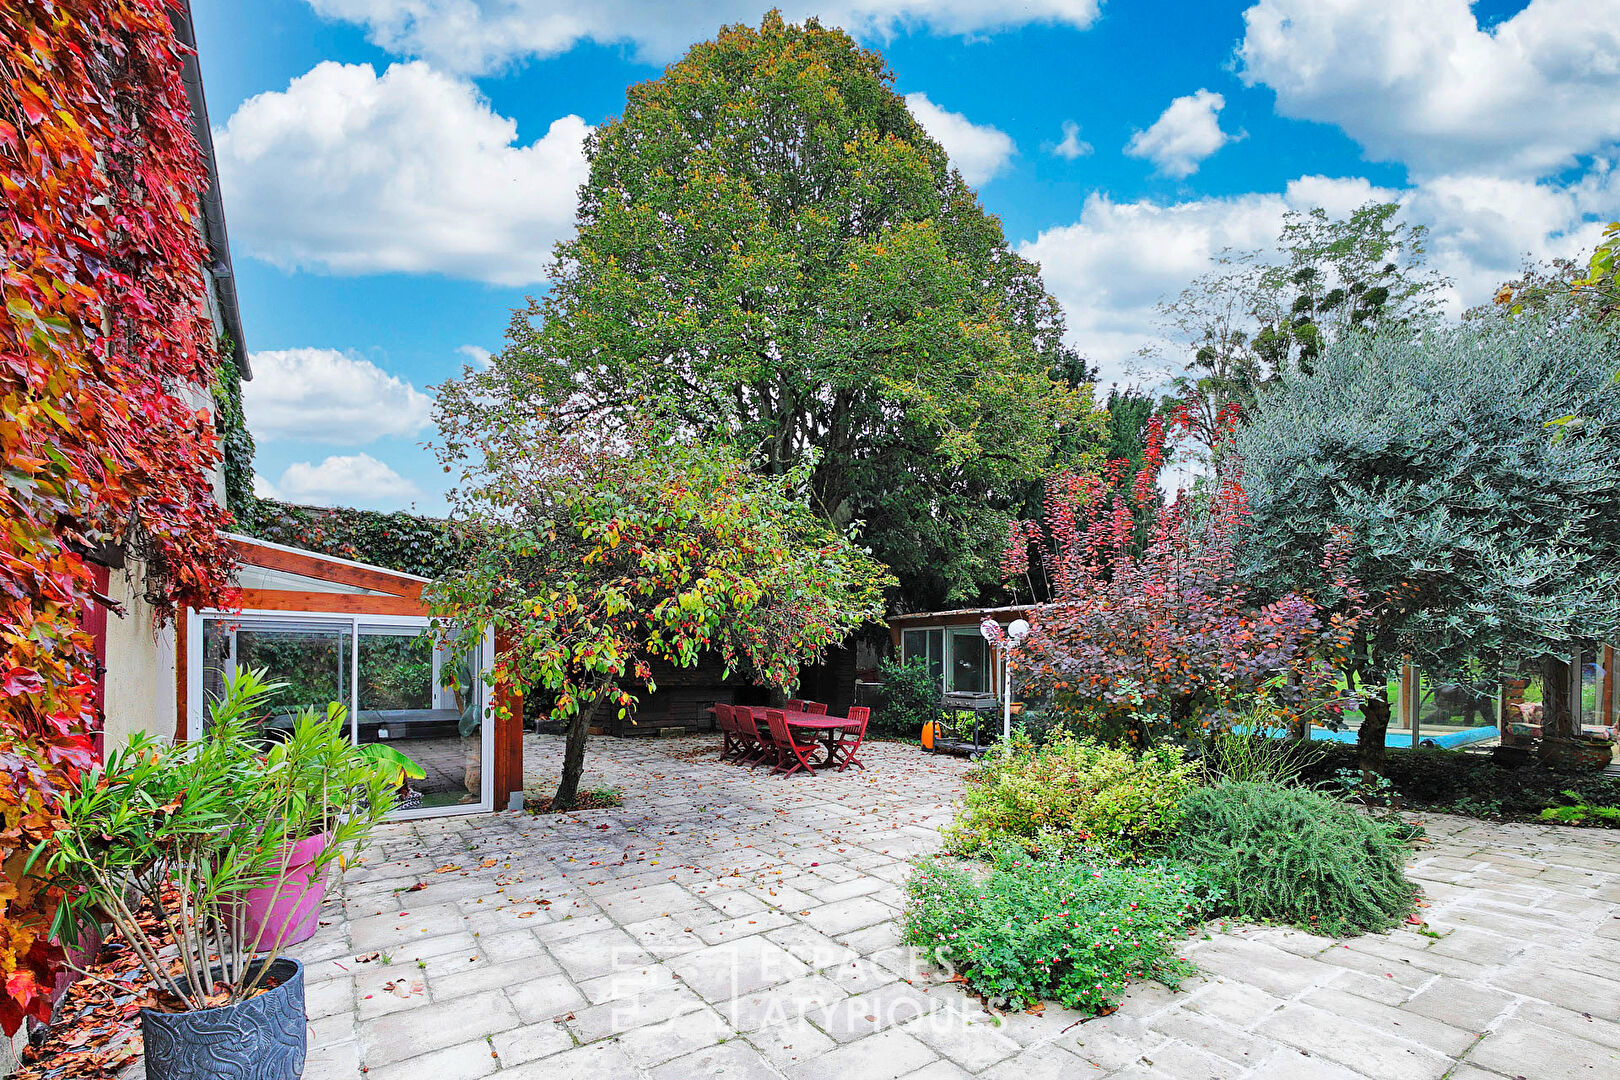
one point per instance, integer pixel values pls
(399, 680)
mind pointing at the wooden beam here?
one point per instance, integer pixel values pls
(1606, 703)
(293, 562)
(336, 603)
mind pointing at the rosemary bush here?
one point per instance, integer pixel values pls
(187, 828)
(1291, 855)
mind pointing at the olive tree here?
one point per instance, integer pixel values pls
(1473, 533)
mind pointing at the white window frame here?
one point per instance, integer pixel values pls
(194, 689)
(948, 653)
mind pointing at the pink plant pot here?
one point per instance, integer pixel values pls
(288, 911)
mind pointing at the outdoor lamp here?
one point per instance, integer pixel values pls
(1017, 631)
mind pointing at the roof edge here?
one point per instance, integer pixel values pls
(221, 274)
(243, 538)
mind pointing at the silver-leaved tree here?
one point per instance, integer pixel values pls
(1478, 537)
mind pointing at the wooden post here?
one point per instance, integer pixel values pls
(1607, 708)
(182, 679)
(508, 748)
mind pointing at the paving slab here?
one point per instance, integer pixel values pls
(725, 923)
(1520, 1048)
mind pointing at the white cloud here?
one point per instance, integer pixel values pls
(348, 480)
(476, 355)
(323, 395)
(978, 150)
(1111, 267)
(1072, 146)
(1186, 133)
(1419, 81)
(1483, 227)
(479, 36)
(349, 172)
(263, 488)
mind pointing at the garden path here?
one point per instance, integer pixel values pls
(724, 923)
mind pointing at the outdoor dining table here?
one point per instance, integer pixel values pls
(828, 726)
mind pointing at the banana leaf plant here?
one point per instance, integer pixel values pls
(187, 829)
(398, 766)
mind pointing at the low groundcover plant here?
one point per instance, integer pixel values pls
(1071, 930)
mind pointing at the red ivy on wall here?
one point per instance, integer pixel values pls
(105, 350)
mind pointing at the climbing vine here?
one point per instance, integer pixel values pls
(429, 547)
(230, 426)
(105, 352)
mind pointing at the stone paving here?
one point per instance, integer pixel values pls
(723, 923)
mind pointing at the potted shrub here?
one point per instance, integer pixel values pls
(183, 834)
(1578, 753)
(315, 778)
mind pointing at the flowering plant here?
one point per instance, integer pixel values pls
(1066, 930)
(1147, 627)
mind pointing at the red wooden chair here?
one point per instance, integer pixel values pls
(793, 704)
(850, 737)
(790, 754)
(732, 748)
(815, 708)
(746, 729)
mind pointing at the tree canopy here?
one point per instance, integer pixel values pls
(772, 252)
(1257, 317)
(594, 559)
(1476, 536)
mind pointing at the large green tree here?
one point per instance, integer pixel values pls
(771, 251)
(1476, 538)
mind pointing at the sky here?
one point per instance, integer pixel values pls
(396, 172)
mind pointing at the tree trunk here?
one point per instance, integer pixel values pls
(1374, 726)
(1557, 709)
(579, 731)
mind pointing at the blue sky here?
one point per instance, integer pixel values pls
(396, 171)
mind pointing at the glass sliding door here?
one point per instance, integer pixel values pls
(929, 647)
(413, 694)
(306, 660)
(400, 682)
(970, 663)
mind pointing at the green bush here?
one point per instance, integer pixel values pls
(1465, 783)
(1064, 930)
(1289, 855)
(1072, 794)
(909, 700)
(1248, 746)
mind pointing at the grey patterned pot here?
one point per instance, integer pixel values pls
(263, 1038)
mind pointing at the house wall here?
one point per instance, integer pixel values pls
(141, 662)
(141, 666)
